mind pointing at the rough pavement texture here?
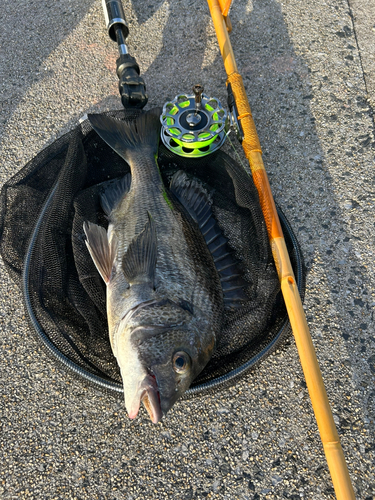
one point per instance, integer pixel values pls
(309, 72)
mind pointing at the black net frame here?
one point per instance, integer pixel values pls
(42, 245)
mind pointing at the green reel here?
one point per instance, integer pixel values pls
(193, 125)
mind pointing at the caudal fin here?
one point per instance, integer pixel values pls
(124, 137)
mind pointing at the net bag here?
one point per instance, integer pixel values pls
(43, 208)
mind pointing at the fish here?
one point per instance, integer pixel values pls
(164, 297)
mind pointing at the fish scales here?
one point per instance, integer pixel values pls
(142, 199)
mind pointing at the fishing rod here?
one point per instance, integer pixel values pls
(184, 133)
(331, 443)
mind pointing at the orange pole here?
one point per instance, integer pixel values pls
(323, 414)
(225, 6)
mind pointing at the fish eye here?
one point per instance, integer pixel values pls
(181, 362)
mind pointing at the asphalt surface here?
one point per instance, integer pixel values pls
(309, 70)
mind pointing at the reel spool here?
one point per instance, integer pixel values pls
(193, 125)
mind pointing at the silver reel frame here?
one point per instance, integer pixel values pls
(184, 131)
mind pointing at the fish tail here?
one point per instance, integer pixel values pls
(125, 137)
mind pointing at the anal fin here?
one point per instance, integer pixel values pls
(113, 192)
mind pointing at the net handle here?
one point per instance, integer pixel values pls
(323, 414)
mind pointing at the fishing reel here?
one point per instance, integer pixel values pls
(194, 125)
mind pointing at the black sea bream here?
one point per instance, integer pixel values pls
(164, 296)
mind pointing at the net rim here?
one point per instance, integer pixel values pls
(113, 386)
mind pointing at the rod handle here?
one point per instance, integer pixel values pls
(114, 18)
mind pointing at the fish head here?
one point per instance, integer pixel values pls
(175, 358)
(160, 360)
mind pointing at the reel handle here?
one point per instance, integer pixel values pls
(198, 91)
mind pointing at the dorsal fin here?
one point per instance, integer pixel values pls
(197, 202)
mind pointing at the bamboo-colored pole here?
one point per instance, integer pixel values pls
(225, 6)
(323, 414)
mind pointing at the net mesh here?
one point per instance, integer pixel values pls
(66, 292)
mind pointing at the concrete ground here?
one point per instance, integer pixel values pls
(309, 71)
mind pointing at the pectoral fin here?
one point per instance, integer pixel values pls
(102, 252)
(139, 262)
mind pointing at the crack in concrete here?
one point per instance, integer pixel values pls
(368, 96)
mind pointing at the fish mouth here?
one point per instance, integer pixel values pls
(150, 397)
